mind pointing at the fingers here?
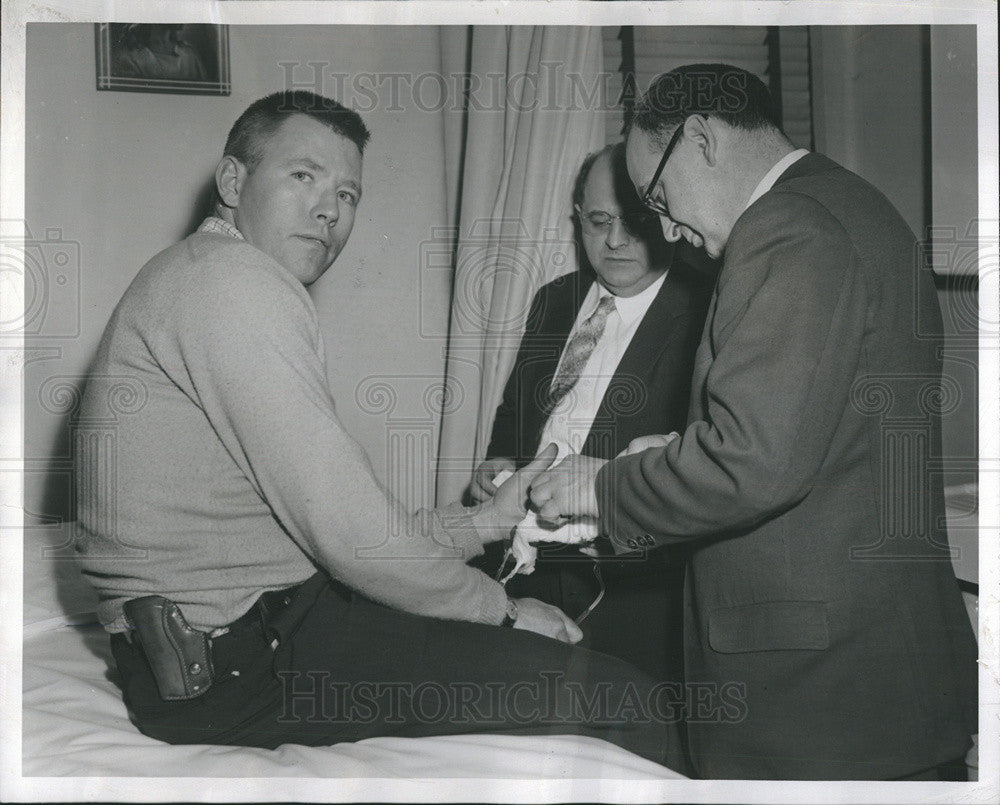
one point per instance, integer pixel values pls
(642, 443)
(546, 619)
(478, 494)
(571, 633)
(551, 512)
(543, 492)
(482, 487)
(540, 463)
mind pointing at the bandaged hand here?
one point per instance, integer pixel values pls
(567, 489)
(576, 531)
(498, 515)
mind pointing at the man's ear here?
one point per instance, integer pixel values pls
(230, 174)
(699, 129)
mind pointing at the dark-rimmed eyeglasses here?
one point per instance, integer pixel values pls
(598, 222)
(657, 206)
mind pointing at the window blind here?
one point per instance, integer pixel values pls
(779, 56)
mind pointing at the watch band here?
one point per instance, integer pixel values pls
(511, 614)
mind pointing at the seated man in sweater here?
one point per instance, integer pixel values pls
(632, 379)
(254, 591)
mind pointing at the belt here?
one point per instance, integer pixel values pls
(267, 604)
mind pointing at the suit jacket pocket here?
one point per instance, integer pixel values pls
(769, 626)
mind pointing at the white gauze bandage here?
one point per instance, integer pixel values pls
(577, 531)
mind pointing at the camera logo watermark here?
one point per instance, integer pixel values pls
(47, 269)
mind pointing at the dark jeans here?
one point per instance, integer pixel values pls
(641, 616)
(345, 668)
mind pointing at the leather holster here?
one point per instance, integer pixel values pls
(179, 656)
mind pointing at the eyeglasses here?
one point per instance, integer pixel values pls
(598, 222)
(657, 206)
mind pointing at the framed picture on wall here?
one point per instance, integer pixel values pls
(187, 59)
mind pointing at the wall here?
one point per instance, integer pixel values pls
(897, 105)
(121, 175)
(868, 108)
(954, 210)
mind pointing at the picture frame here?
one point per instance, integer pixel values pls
(185, 59)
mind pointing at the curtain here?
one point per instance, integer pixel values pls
(529, 116)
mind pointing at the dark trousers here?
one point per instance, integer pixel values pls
(344, 668)
(639, 619)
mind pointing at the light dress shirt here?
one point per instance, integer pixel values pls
(570, 421)
(772, 175)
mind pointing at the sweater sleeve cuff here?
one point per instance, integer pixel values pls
(494, 606)
(457, 521)
(459, 525)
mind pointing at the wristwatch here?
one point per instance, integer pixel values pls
(511, 615)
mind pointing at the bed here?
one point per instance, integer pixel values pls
(75, 724)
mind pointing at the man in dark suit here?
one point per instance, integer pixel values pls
(819, 580)
(635, 381)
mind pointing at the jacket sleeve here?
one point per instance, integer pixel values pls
(784, 343)
(252, 353)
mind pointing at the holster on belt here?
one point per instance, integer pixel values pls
(179, 656)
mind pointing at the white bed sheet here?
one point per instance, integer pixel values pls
(75, 724)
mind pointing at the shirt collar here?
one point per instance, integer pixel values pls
(213, 225)
(772, 175)
(631, 308)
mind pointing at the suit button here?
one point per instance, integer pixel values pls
(647, 540)
(195, 668)
(632, 544)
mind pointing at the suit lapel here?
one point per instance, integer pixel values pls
(650, 340)
(652, 335)
(564, 306)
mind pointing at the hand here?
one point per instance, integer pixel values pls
(482, 487)
(509, 504)
(645, 442)
(544, 619)
(567, 489)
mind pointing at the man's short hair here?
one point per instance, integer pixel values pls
(624, 190)
(723, 91)
(580, 184)
(251, 131)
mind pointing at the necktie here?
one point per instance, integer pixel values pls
(578, 351)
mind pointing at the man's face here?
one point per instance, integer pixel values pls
(626, 263)
(674, 187)
(297, 205)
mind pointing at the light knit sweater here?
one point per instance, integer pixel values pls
(212, 466)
